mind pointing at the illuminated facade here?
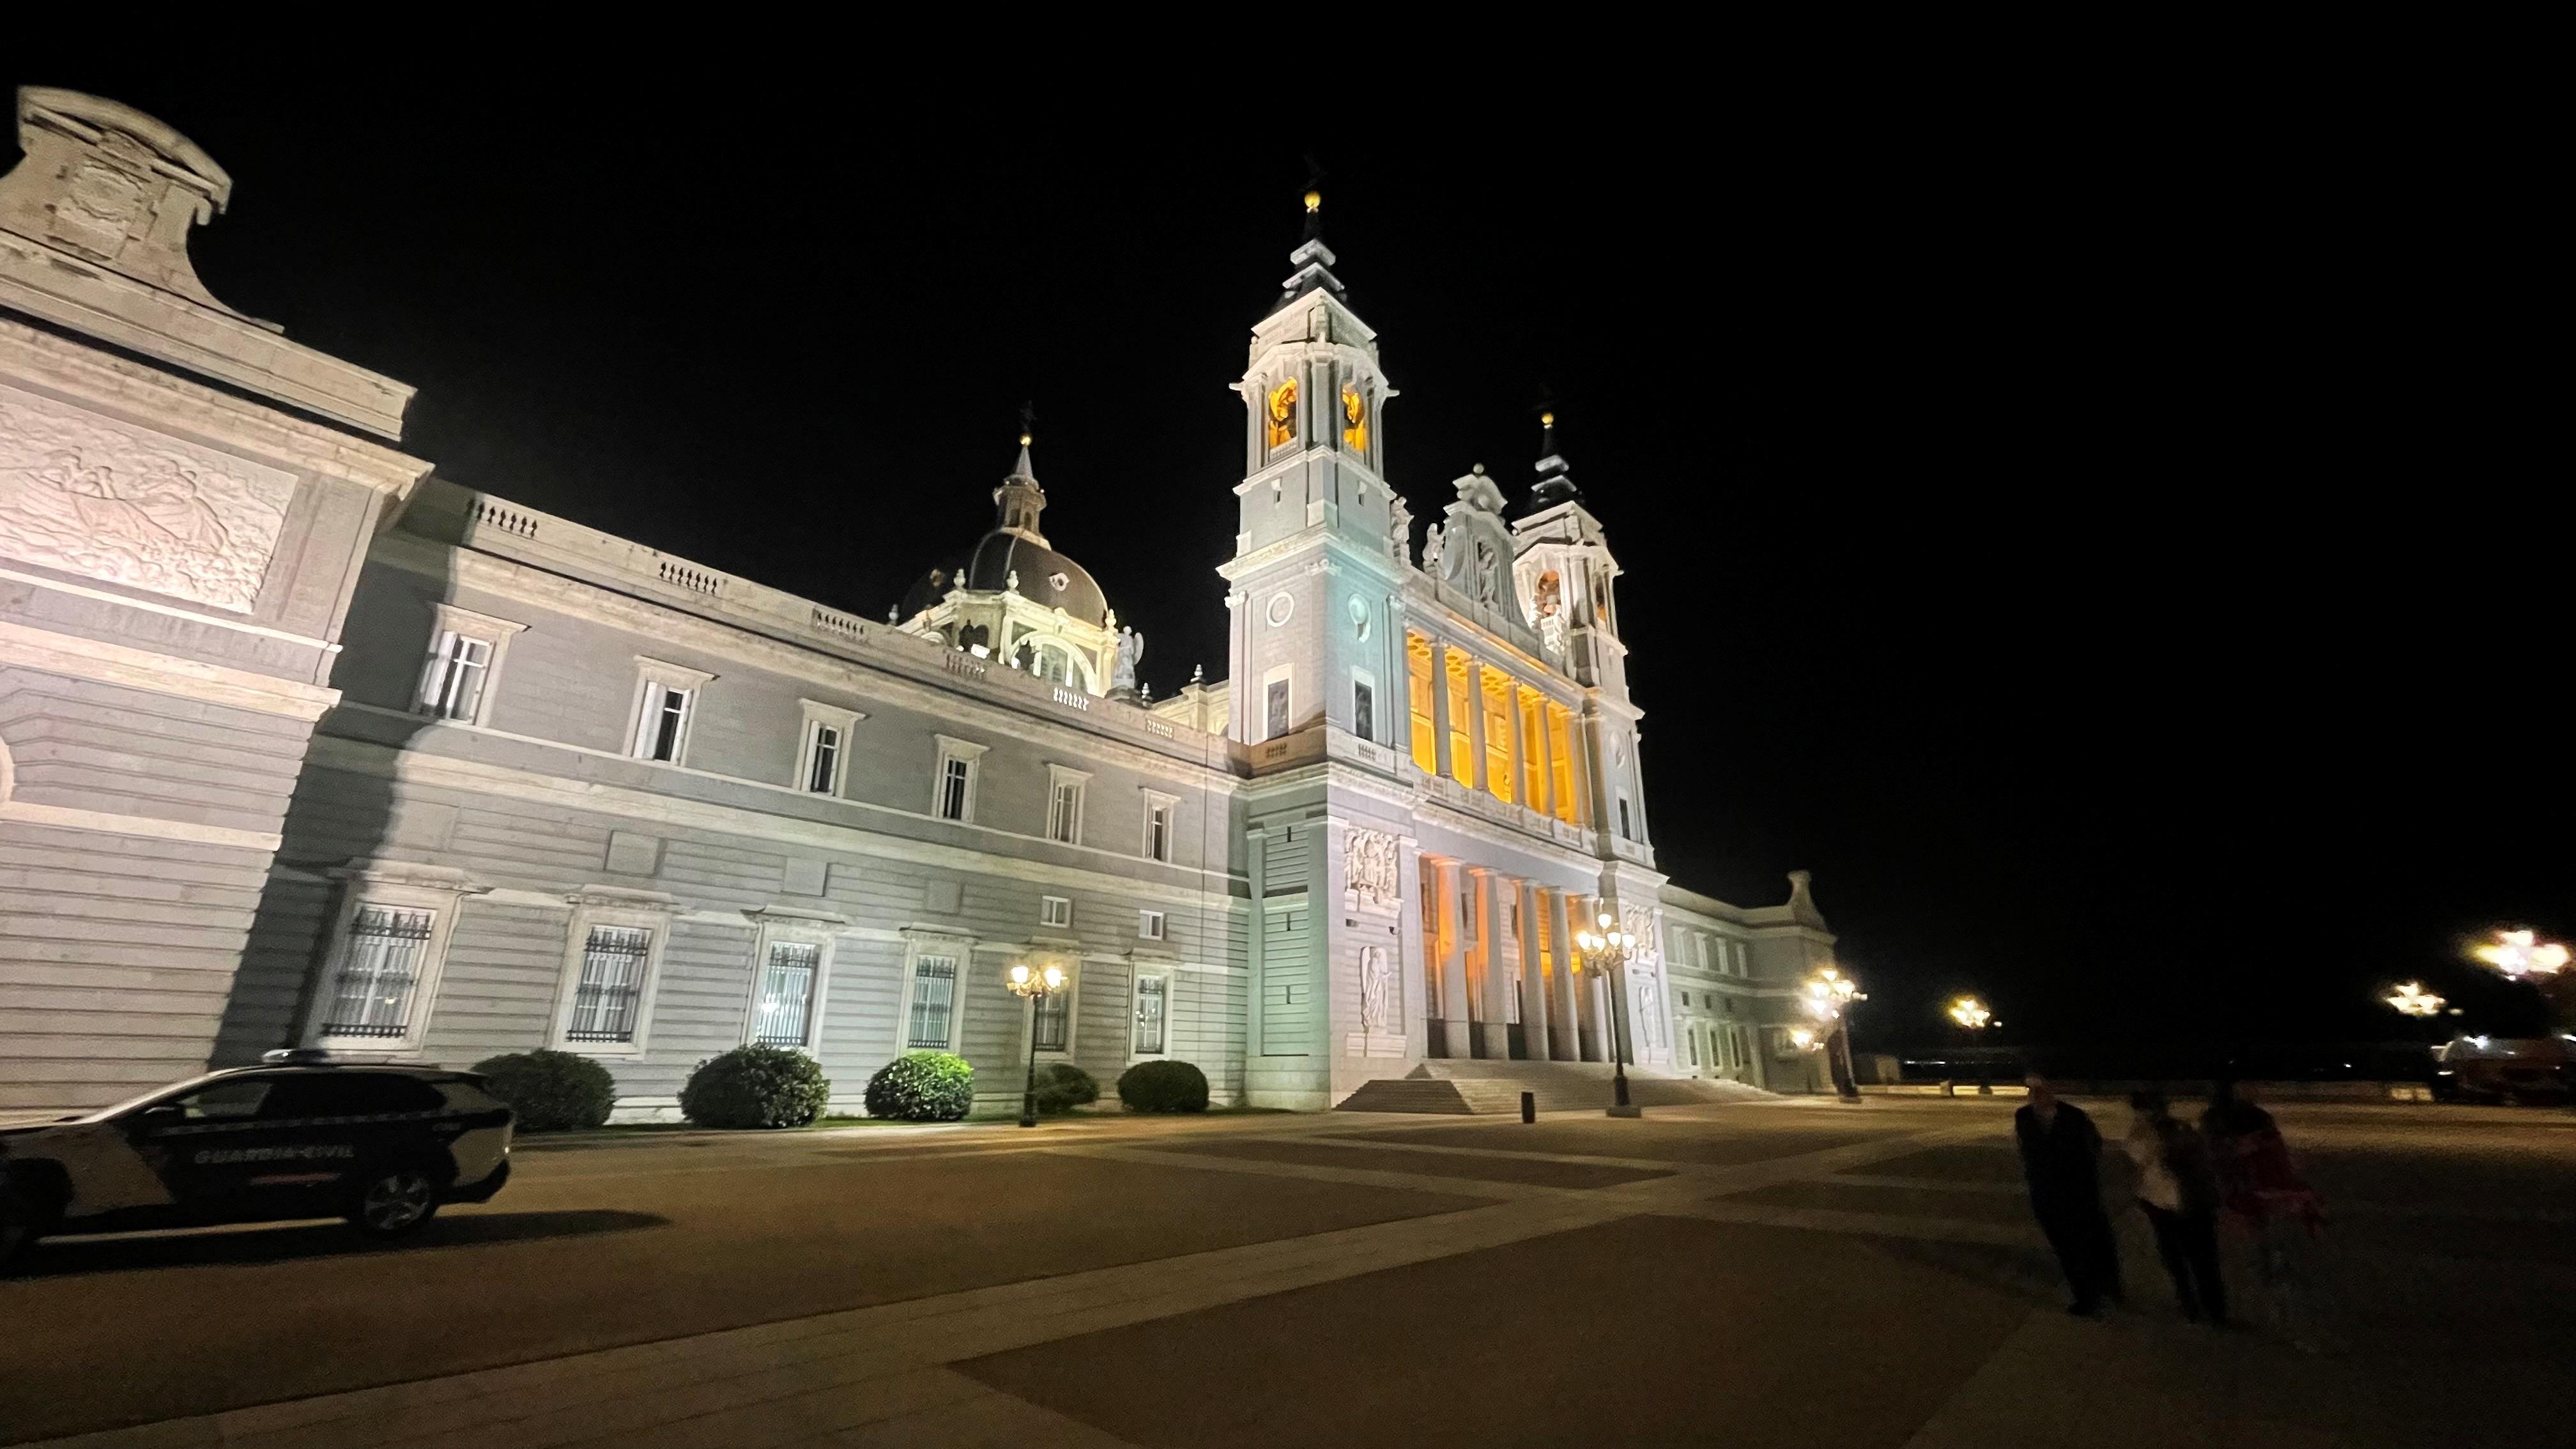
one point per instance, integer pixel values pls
(303, 746)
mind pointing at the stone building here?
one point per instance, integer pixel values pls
(302, 746)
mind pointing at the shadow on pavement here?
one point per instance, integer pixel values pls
(65, 1257)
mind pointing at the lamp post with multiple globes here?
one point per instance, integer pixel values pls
(1973, 1018)
(2521, 955)
(1607, 950)
(1829, 999)
(1034, 985)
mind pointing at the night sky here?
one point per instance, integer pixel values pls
(2089, 546)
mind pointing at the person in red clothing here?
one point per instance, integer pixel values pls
(2262, 1189)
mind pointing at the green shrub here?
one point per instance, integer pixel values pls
(756, 1086)
(922, 1087)
(549, 1090)
(1062, 1086)
(1164, 1087)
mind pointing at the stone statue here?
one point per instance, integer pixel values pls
(1397, 530)
(1380, 1009)
(1131, 650)
(1435, 546)
(1011, 581)
(1370, 867)
(1484, 572)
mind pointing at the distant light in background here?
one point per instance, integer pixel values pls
(2411, 999)
(2519, 954)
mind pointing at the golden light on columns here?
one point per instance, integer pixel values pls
(2521, 954)
(2411, 999)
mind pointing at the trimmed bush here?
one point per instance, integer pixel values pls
(923, 1087)
(1062, 1086)
(756, 1086)
(550, 1091)
(1164, 1087)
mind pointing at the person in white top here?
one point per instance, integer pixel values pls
(2178, 1188)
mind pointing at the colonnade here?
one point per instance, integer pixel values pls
(1502, 976)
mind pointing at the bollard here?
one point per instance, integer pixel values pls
(1529, 1106)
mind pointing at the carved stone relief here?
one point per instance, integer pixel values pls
(1369, 870)
(131, 506)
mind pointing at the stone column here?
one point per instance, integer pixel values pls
(1476, 722)
(1534, 1036)
(1543, 764)
(1567, 998)
(1453, 964)
(1494, 1011)
(1440, 708)
(1520, 747)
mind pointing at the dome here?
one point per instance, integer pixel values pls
(1046, 578)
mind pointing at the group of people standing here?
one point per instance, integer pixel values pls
(2234, 1162)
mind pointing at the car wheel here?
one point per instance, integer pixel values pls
(392, 1201)
(20, 1226)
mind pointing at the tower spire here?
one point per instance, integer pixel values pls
(1312, 259)
(1020, 498)
(1555, 475)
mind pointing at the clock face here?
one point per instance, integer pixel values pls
(1283, 414)
(1354, 420)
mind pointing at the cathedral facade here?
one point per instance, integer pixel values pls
(302, 745)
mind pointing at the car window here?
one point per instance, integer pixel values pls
(370, 1094)
(230, 1101)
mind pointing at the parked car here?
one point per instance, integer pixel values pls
(2502, 1069)
(300, 1137)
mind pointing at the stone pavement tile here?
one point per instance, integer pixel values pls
(1635, 1331)
(1536, 1169)
(1834, 1220)
(982, 1419)
(1348, 1176)
(1393, 1143)
(1837, 1192)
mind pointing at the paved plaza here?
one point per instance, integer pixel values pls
(1800, 1273)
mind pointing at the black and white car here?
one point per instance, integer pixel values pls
(381, 1146)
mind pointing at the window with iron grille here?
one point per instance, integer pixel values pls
(1055, 1013)
(380, 964)
(787, 993)
(955, 777)
(604, 1002)
(934, 1002)
(1149, 1015)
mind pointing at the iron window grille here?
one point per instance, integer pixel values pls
(1054, 1016)
(613, 963)
(787, 993)
(954, 774)
(1149, 1015)
(380, 963)
(934, 998)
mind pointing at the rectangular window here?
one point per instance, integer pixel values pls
(823, 759)
(380, 964)
(1274, 708)
(1533, 751)
(1149, 925)
(1498, 735)
(1055, 1013)
(1462, 752)
(787, 993)
(613, 963)
(1149, 1016)
(1064, 804)
(934, 1002)
(952, 793)
(458, 665)
(1417, 690)
(665, 722)
(1690, 1039)
(1158, 828)
(1055, 911)
(1363, 708)
(1560, 763)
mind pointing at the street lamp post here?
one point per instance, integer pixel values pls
(1830, 996)
(1973, 1018)
(2523, 956)
(1607, 950)
(1034, 985)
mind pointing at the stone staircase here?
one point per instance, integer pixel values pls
(1477, 1087)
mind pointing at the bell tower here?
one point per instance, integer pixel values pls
(1316, 697)
(1314, 578)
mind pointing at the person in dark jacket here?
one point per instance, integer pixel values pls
(2061, 1159)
